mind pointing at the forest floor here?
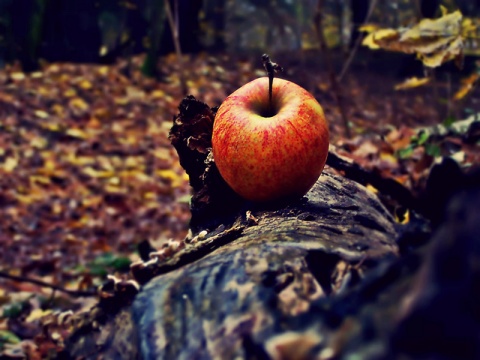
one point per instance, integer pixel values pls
(87, 171)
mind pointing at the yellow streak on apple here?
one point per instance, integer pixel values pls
(266, 156)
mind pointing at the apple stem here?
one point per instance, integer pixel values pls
(271, 68)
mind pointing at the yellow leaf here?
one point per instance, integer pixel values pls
(134, 162)
(128, 140)
(435, 41)
(37, 314)
(99, 174)
(36, 75)
(44, 180)
(117, 127)
(142, 177)
(385, 156)
(17, 76)
(374, 39)
(103, 70)
(80, 160)
(92, 201)
(114, 181)
(170, 175)
(78, 103)
(10, 164)
(447, 25)
(41, 114)
(162, 153)
(103, 50)
(114, 189)
(85, 84)
(368, 28)
(150, 195)
(57, 208)
(443, 10)
(77, 133)
(49, 163)
(44, 91)
(51, 126)
(402, 217)
(412, 82)
(121, 100)
(105, 163)
(167, 174)
(470, 28)
(28, 153)
(134, 92)
(58, 109)
(450, 52)
(70, 93)
(156, 94)
(467, 86)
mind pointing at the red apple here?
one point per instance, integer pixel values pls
(265, 153)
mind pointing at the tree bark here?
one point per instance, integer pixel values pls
(320, 277)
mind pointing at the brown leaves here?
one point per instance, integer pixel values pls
(86, 167)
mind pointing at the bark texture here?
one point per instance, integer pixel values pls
(331, 275)
(260, 284)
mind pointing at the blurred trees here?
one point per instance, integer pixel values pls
(102, 30)
(92, 30)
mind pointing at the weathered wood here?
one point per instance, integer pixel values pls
(245, 289)
(239, 284)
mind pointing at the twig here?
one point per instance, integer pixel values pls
(449, 96)
(176, 42)
(47, 285)
(356, 46)
(331, 70)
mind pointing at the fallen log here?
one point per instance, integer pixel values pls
(321, 277)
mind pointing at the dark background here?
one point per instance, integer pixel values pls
(100, 31)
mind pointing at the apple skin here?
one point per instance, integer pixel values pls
(268, 158)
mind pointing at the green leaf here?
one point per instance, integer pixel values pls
(185, 199)
(449, 121)
(422, 137)
(12, 310)
(121, 263)
(101, 265)
(405, 153)
(433, 150)
(8, 337)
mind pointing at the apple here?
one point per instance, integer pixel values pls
(270, 152)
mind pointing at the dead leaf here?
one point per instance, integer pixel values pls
(467, 86)
(435, 41)
(412, 82)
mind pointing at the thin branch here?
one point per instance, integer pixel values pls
(176, 42)
(358, 42)
(331, 69)
(47, 285)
